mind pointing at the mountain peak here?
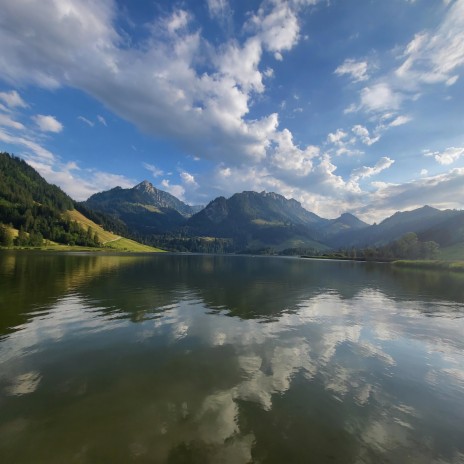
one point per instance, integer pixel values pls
(145, 186)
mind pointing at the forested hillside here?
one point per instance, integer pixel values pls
(35, 208)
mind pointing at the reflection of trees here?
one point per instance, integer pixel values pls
(250, 287)
(247, 287)
(30, 281)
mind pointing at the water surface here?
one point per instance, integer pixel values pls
(227, 359)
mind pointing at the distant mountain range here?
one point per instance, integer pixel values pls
(245, 222)
(255, 220)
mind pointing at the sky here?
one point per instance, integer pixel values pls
(345, 105)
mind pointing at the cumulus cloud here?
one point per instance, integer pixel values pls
(380, 97)
(277, 26)
(363, 133)
(155, 85)
(188, 178)
(357, 70)
(174, 189)
(48, 123)
(337, 137)
(288, 157)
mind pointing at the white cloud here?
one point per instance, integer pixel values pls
(380, 97)
(77, 182)
(442, 191)
(86, 121)
(188, 178)
(178, 20)
(452, 80)
(337, 137)
(174, 189)
(155, 85)
(155, 172)
(367, 171)
(12, 99)
(102, 120)
(434, 56)
(218, 8)
(357, 70)
(48, 123)
(400, 120)
(7, 121)
(36, 148)
(288, 157)
(449, 156)
(363, 133)
(241, 64)
(277, 26)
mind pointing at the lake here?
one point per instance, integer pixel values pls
(228, 359)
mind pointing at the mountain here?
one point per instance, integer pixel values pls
(144, 208)
(38, 210)
(257, 220)
(247, 220)
(345, 223)
(448, 232)
(147, 194)
(418, 221)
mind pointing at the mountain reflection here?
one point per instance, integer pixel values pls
(345, 369)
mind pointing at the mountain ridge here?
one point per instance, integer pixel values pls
(245, 221)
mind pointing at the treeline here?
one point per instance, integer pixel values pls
(407, 247)
(184, 243)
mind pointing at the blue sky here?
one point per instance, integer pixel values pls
(344, 105)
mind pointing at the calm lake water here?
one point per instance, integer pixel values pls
(228, 359)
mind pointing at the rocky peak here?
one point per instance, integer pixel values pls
(145, 186)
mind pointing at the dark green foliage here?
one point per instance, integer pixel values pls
(406, 247)
(21, 184)
(6, 238)
(34, 207)
(105, 220)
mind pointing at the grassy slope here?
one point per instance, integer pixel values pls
(109, 239)
(84, 222)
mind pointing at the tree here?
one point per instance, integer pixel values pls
(35, 239)
(22, 239)
(6, 237)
